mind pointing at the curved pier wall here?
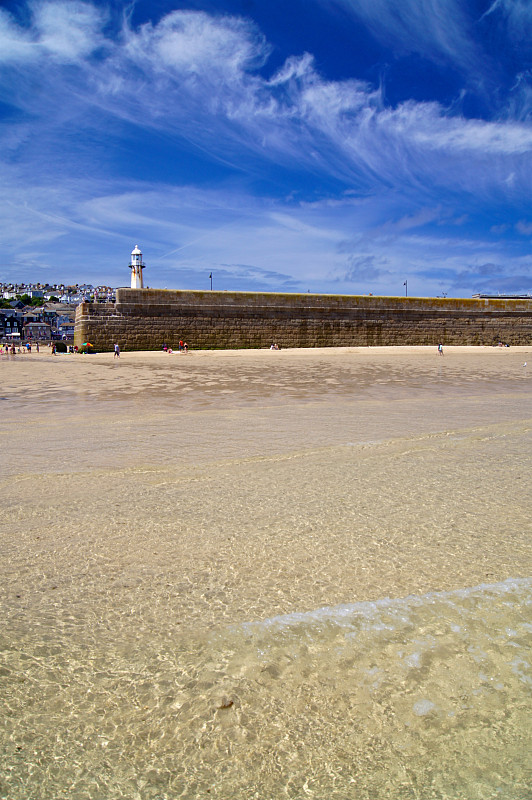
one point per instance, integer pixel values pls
(144, 319)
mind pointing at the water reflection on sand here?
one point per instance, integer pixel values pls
(170, 529)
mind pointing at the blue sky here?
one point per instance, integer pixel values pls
(342, 146)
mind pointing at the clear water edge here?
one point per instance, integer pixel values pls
(158, 637)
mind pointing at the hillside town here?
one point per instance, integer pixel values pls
(35, 312)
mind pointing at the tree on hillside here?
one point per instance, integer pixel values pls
(30, 301)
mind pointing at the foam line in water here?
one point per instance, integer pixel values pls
(380, 613)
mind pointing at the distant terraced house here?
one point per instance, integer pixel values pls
(11, 324)
(34, 331)
(65, 330)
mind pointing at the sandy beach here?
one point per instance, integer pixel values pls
(152, 502)
(254, 460)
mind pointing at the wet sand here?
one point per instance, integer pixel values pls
(154, 499)
(219, 486)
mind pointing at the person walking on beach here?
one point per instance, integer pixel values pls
(440, 349)
(117, 351)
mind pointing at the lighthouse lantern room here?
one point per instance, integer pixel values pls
(136, 267)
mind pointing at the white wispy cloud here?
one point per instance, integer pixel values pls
(194, 43)
(436, 29)
(518, 16)
(186, 232)
(524, 227)
(453, 34)
(63, 30)
(339, 127)
(197, 78)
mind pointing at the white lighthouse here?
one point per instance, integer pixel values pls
(136, 266)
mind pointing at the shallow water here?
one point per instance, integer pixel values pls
(417, 698)
(276, 591)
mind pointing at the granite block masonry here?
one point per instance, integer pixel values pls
(145, 319)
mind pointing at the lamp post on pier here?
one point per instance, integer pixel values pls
(210, 276)
(405, 284)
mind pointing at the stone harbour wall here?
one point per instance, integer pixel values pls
(144, 319)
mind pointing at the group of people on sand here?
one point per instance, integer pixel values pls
(28, 346)
(12, 349)
(182, 347)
